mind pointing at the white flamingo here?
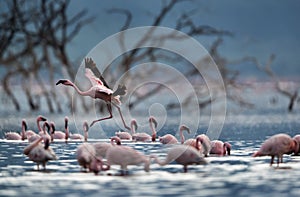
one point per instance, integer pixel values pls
(144, 136)
(99, 90)
(124, 156)
(182, 154)
(39, 153)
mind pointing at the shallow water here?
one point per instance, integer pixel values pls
(236, 175)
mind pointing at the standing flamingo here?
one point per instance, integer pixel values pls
(182, 154)
(220, 148)
(144, 136)
(85, 155)
(99, 90)
(170, 139)
(75, 136)
(102, 147)
(277, 145)
(40, 131)
(124, 156)
(40, 153)
(26, 133)
(58, 135)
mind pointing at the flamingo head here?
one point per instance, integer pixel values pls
(64, 82)
(227, 147)
(24, 124)
(52, 126)
(46, 124)
(41, 118)
(184, 127)
(115, 139)
(133, 123)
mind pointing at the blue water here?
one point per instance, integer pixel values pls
(236, 175)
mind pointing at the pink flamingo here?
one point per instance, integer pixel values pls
(38, 153)
(85, 155)
(124, 156)
(13, 136)
(144, 136)
(40, 132)
(277, 145)
(58, 135)
(170, 139)
(182, 154)
(297, 139)
(123, 135)
(26, 133)
(205, 144)
(75, 136)
(220, 148)
(99, 90)
(96, 165)
(101, 147)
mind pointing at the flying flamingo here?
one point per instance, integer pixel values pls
(220, 148)
(170, 139)
(182, 154)
(277, 145)
(144, 136)
(297, 138)
(99, 90)
(205, 144)
(124, 156)
(102, 147)
(39, 153)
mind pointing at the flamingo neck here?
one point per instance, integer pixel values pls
(66, 130)
(23, 130)
(83, 93)
(38, 124)
(153, 131)
(181, 136)
(85, 135)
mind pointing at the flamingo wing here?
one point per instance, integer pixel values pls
(93, 74)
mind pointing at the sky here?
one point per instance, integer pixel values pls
(260, 28)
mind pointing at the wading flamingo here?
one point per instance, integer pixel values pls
(58, 135)
(124, 156)
(170, 139)
(85, 154)
(102, 147)
(26, 133)
(40, 131)
(144, 136)
(182, 154)
(99, 90)
(40, 153)
(205, 144)
(220, 148)
(11, 135)
(277, 145)
(124, 135)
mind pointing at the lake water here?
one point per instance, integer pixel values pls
(236, 175)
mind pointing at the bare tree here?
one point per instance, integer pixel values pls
(34, 36)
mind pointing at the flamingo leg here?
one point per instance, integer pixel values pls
(272, 160)
(109, 117)
(121, 116)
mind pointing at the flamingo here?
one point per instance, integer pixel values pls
(75, 136)
(40, 132)
(99, 90)
(182, 154)
(277, 145)
(13, 136)
(297, 139)
(144, 136)
(170, 139)
(26, 133)
(59, 135)
(85, 155)
(124, 156)
(101, 147)
(205, 144)
(39, 153)
(123, 135)
(220, 148)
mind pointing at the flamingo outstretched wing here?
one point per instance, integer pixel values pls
(95, 77)
(94, 74)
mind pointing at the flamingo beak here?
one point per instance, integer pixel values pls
(62, 81)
